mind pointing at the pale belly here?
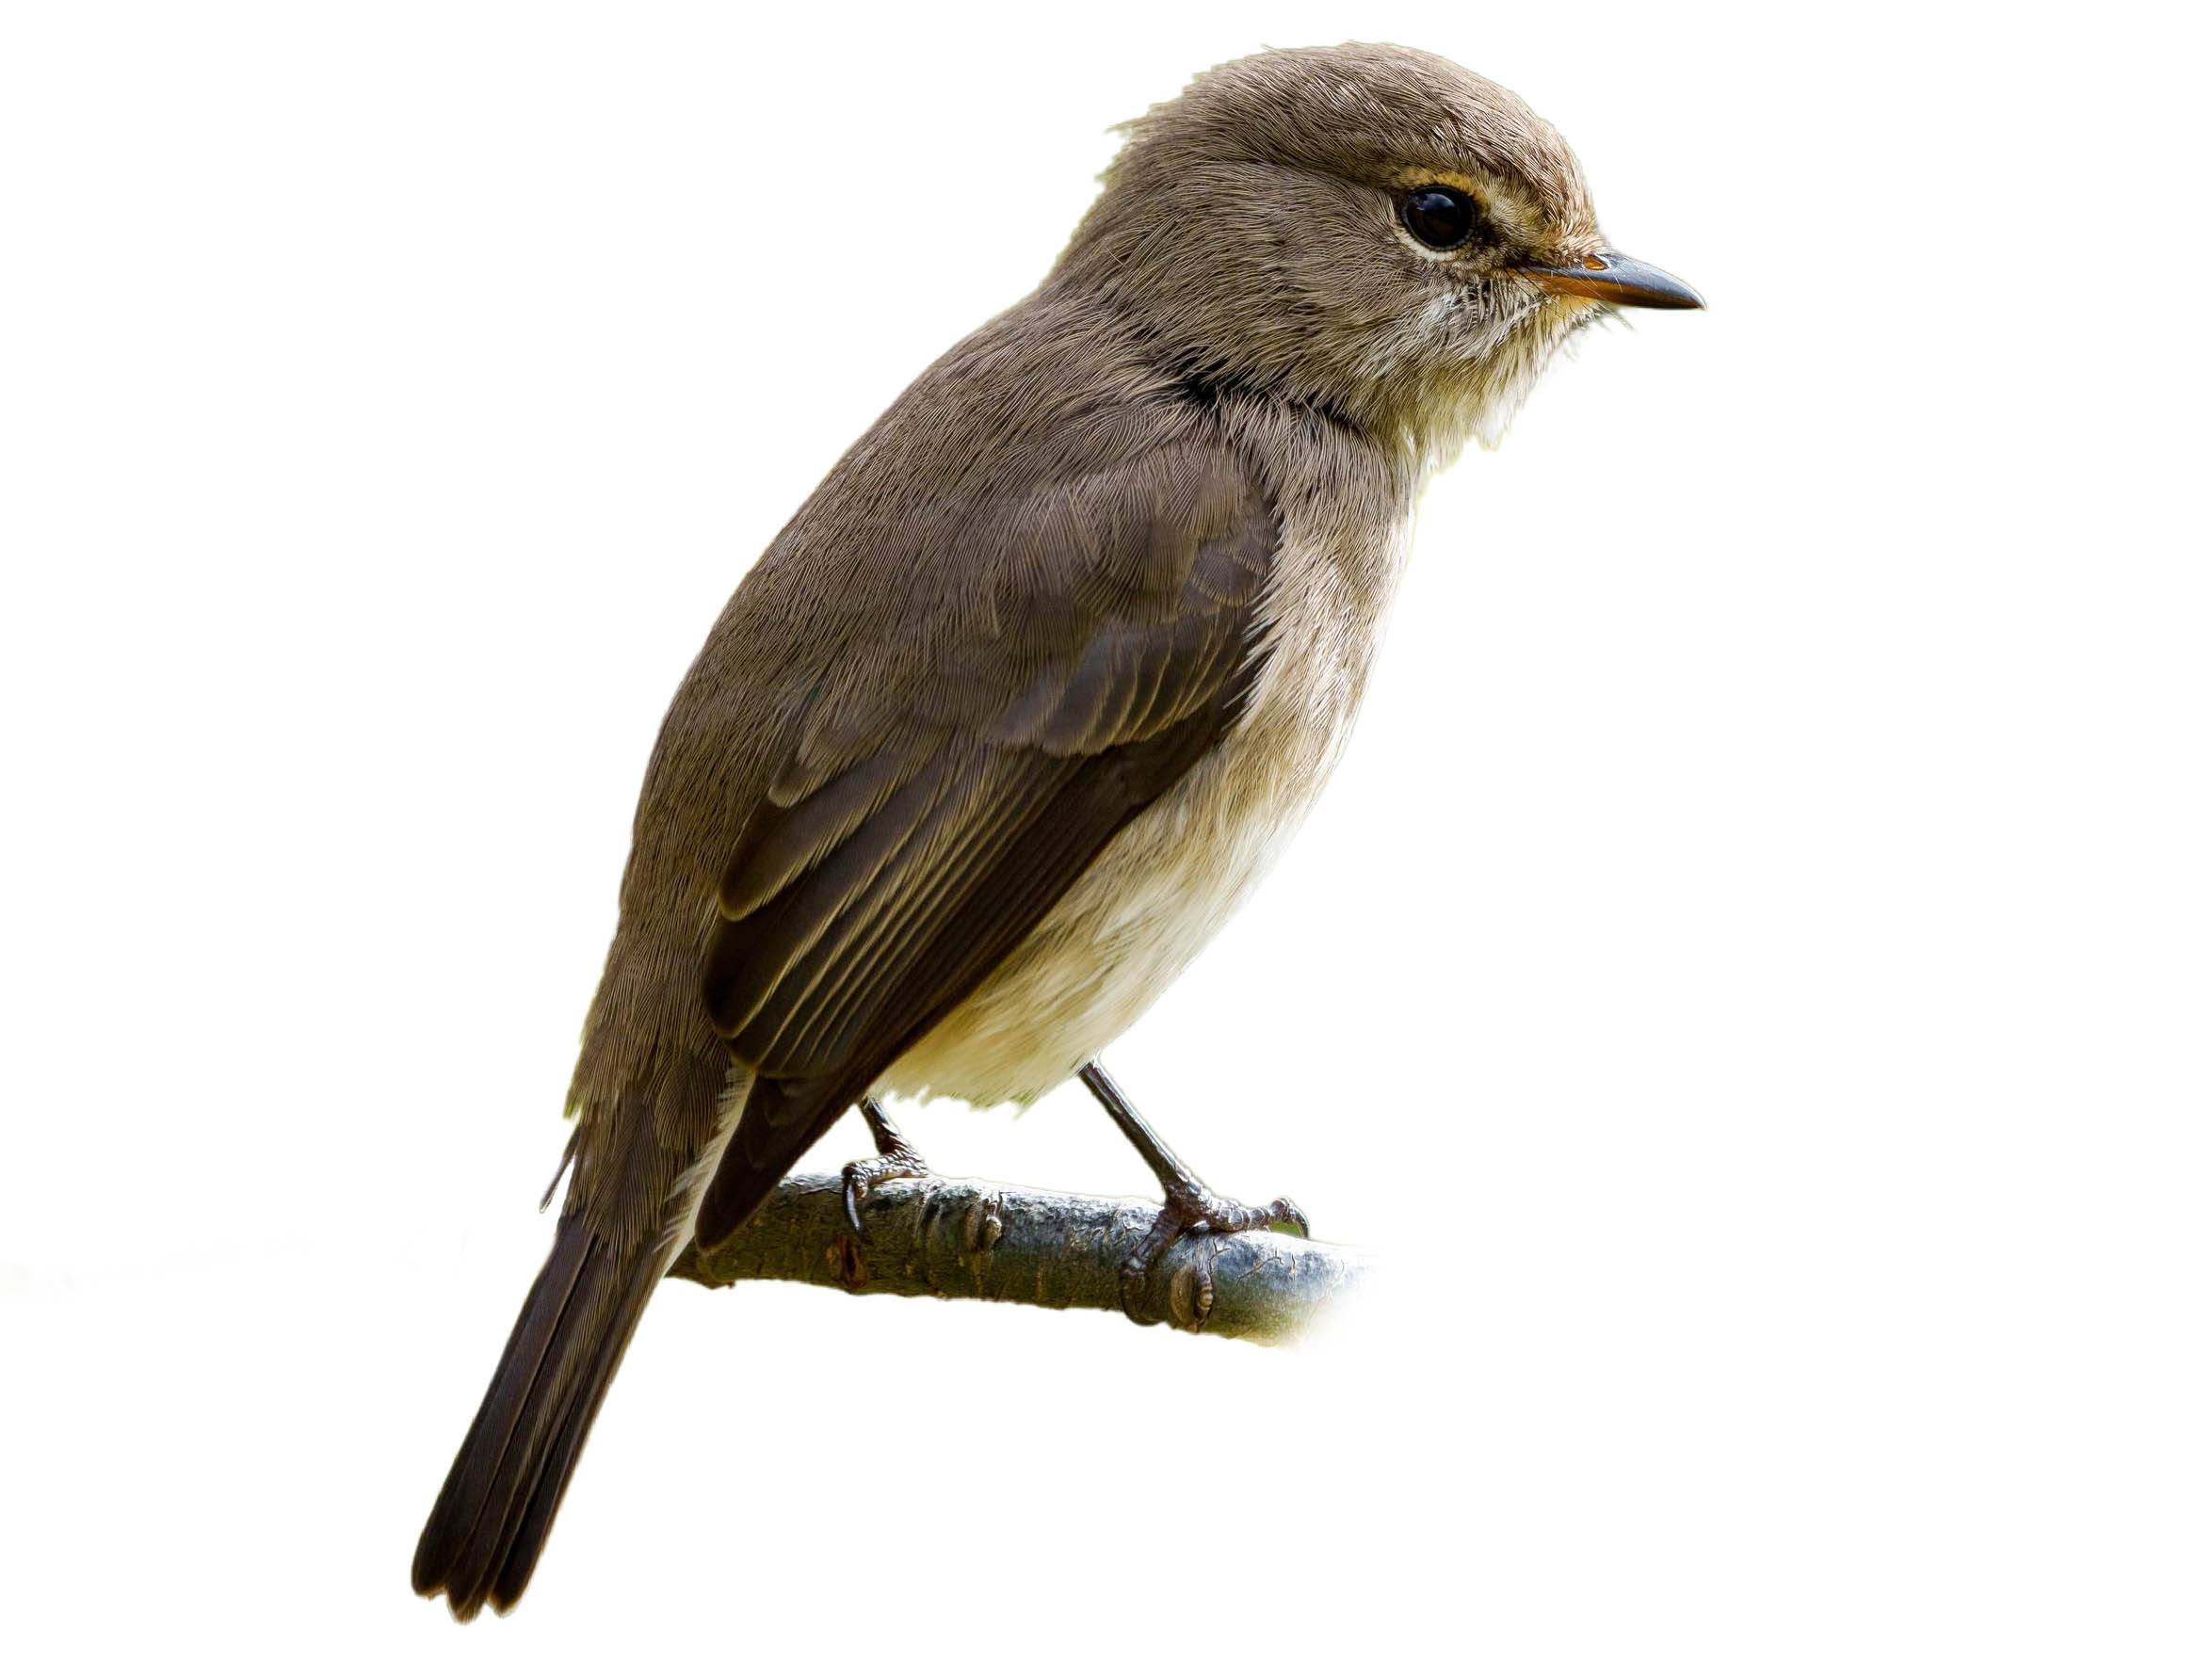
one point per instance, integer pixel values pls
(1165, 885)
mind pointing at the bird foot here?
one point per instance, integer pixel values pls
(1195, 1209)
(894, 1160)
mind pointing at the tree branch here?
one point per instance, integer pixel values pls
(1006, 1244)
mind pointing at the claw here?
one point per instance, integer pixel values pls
(864, 1175)
(895, 1160)
(1195, 1209)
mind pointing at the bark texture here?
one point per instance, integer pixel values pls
(1006, 1244)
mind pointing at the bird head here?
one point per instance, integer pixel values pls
(1368, 227)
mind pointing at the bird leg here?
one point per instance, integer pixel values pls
(1189, 1205)
(894, 1160)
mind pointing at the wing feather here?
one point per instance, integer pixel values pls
(924, 823)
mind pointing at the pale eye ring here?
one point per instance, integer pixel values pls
(1439, 217)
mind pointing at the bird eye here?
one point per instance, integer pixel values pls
(1438, 216)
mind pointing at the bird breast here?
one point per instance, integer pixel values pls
(1165, 885)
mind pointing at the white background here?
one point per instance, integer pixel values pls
(1748, 979)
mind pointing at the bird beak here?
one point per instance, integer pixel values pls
(1617, 280)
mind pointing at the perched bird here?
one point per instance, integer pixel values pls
(994, 736)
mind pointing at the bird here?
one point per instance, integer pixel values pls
(1017, 706)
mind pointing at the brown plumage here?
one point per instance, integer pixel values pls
(1018, 705)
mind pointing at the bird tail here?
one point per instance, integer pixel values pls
(491, 1518)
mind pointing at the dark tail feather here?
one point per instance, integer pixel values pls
(491, 1520)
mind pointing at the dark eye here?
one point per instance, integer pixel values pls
(1439, 215)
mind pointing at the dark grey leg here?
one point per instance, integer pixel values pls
(894, 1160)
(1189, 1205)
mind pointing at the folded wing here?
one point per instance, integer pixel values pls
(929, 815)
